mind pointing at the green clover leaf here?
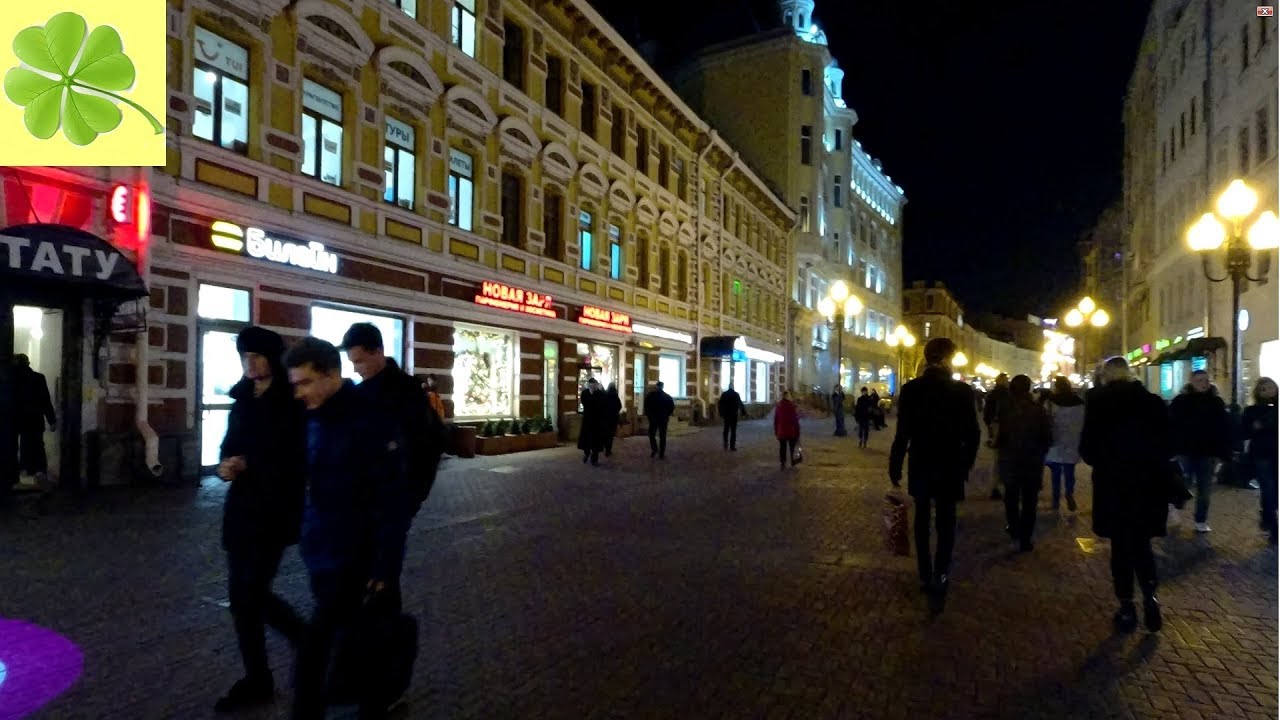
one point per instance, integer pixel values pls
(66, 80)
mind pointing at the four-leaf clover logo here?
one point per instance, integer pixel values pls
(66, 79)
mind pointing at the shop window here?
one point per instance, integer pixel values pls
(221, 92)
(512, 210)
(639, 378)
(671, 374)
(513, 54)
(760, 392)
(555, 85)
(586, 246)
(222, 303)
(330, 323)
(484, 372)
(601, 364)
(321, 133)
(615, 252)
(409, 7)
(553, 224)
(400, 164)
(461, 189)
(464, 26)
(589, 111)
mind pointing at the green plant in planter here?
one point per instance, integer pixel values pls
(531, 426)
(486, 430)
(547, 425)
(502, 427)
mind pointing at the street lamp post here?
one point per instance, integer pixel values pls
(837, 307)
(1086, 311)
(901, 339)
(1235, 206)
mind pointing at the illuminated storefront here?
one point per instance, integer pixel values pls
(751, 370)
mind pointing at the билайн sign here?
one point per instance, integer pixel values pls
(255, 243)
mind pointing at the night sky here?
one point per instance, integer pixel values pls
(1003, 126)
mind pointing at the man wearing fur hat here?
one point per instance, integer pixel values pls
(263, 458)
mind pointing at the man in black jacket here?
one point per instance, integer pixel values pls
(399, 396)
(1201, 438)
(938, 426)
(262, 457)
(34, 409)
(996, 402)
(658, 407)
(730, 405)
(357, 512)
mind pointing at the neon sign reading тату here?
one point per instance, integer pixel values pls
(505, 297)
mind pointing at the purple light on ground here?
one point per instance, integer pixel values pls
(36, 666)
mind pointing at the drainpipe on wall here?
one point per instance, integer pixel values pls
(142, 358)
(697, 272)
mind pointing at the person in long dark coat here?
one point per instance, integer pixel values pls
(1023, 440)
(263, 459)
(863, 410)
(1259, 426)
(594, 420)
(33, 408)
(1127, 441)
(837, 407)
(938, 426)
(612, 411)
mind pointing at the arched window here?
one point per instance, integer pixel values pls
(664, 270)
(682, 276)
(553, 224)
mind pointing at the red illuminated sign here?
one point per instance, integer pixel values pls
(131, 207)
(505, 297)
(604, 319)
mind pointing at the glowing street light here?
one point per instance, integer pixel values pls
(959, 360)
(900, 339)
(836, 307)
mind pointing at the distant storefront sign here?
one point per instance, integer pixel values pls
(592, 316)
(514, 299)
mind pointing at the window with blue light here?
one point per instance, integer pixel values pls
(585, 244)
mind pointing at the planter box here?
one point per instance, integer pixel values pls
(543, 441)
(497, 445)
(519, 443)
(464, 441)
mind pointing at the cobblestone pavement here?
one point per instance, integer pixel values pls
(710, 585)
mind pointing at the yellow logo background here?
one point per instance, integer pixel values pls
(141, 24)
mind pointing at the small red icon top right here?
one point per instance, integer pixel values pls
(1266, 11)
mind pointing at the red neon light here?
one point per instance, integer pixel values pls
(604, 319)
(120, 204)
(142, 216)
(505, 297)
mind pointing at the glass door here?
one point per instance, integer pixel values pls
(223, 313)
(551, 381)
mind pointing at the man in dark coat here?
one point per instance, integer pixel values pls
(612, 417)
(994, 404)
(863, 412)
(1201, 438)
(262, 457)
(1126, 441)
(34, 409)
(357, 513)
(398, 395)
(594, 422)
(658, 407)
(1024, 437)
(730, 405)
(938, 426)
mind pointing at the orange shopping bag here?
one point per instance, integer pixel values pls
(896, 533)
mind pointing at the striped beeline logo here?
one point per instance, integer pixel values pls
(228, 236)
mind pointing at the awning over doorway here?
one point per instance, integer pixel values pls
(721, 346)
(1197, 347)
(62, 256)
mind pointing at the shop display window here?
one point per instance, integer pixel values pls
(328, 323)
(671, 373)
(484, 372)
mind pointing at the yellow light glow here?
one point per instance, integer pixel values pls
(1075, 318)
(1237, 201)
(909, 340)
(1087, 305)
(893, 341)
(852, 306)
(1100, 319)
(1206, 234)
(839, 291)
(827, 307)
(959, 360)
(1265, 232)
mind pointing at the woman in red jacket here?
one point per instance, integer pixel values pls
(786, 427)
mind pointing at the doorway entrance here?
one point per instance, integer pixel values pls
(37, 343)
(223, 312)
(551, 381)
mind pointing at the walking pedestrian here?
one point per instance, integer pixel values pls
(1202, 439)
(357, 511)
(786, 427)
(938, 427)
(395, 394)
(612, 412)
(34, 408)
(658, 408)
(1024, 437)
(1260, 434)
(591, 435)
(863, 411)
(1126, 439)
(262, 456)
(877, 411)
(837, 407)
(994, 405)
(1066, 413)
(730, 406)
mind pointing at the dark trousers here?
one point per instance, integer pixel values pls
(840, 430)
(731, 432)
(31, 455)
(787, 450)
(1130, 556)
(1266, 471)
(611, 432)
(945, 519)
(1059, 474)
(1021, 494)
(1198, 470)
(864, 431)
(339, 596)
(254, 606)
(658, 437)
